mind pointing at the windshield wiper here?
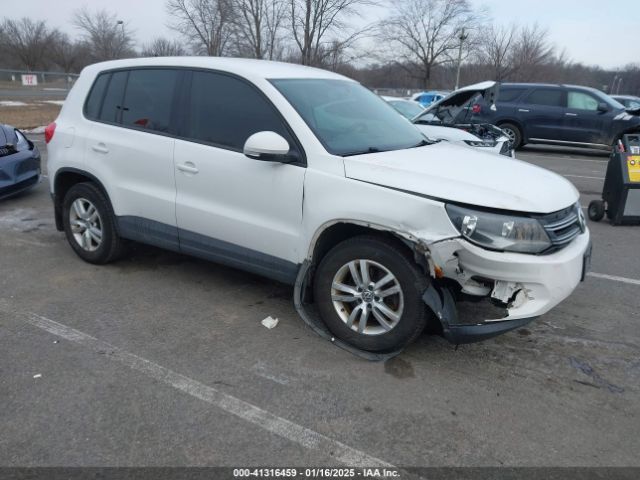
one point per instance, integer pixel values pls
(424, 142)
(363, 152)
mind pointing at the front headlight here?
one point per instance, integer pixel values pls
(499, 232)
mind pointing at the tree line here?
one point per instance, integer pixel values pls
(417, 44)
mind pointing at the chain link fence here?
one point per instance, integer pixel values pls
(26, 81)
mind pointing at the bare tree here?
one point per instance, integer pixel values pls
(317, 24)
(70, 56)
(162, 47)
(496, 50)
(258, 25)
(206, 24)
(422, 34)
(26, 40)
(107, 37)
(531, 51)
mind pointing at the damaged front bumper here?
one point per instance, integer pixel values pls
(479, 293)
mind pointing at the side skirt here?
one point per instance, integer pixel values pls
(172, 238)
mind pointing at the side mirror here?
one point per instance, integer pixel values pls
(267, 146)
(603, 107)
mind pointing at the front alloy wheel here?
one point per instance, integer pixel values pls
(368, 291)
(367, 297)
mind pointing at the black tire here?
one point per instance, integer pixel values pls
(412, 281)
(514, 133)
(596, 210)
(111, 246)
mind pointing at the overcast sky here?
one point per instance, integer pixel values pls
(602, 32)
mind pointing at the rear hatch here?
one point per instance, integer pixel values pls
(461, 106)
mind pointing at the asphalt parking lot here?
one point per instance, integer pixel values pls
(161, 360)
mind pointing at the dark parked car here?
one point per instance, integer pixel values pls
(629, 101)
(19, 162)
(559, 115)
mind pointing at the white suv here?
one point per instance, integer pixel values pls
(288, 171)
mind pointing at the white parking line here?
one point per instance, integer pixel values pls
(581, 176)
(303, 436)
(614, 278)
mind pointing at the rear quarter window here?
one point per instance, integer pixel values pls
(112, 103)
(96, 94)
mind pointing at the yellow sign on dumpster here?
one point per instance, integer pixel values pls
(633, 167)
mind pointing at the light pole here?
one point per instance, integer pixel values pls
(462, 37)
(121, 23)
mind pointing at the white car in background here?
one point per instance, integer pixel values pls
(407, 108)
(451, 118)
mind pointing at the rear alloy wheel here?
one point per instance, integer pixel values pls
(86, 224)
(368, 291)
(513, 133)
(89, 224)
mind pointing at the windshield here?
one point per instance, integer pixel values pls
(408, 109)
(612, 102)
(347, 118)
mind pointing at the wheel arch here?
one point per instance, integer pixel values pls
(333, 232)
(515, 122)
(66, 178)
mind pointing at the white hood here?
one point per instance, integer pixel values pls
(452, 172)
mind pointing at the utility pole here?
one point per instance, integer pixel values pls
(462, 38)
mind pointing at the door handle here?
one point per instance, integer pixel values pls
(569, 114)
(188, 167)
(523, 110)
(100, 148)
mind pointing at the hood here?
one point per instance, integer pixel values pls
(447, 171)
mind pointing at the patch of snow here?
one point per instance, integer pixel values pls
(35, 130)
(11, 103)
(55, 102)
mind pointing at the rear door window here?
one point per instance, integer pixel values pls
(112, 104)
(148, 98)
(546, 96)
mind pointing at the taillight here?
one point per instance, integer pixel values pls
(49, 131)
(476, 108)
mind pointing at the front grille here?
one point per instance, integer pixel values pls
(7, 150)
(563, 226)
